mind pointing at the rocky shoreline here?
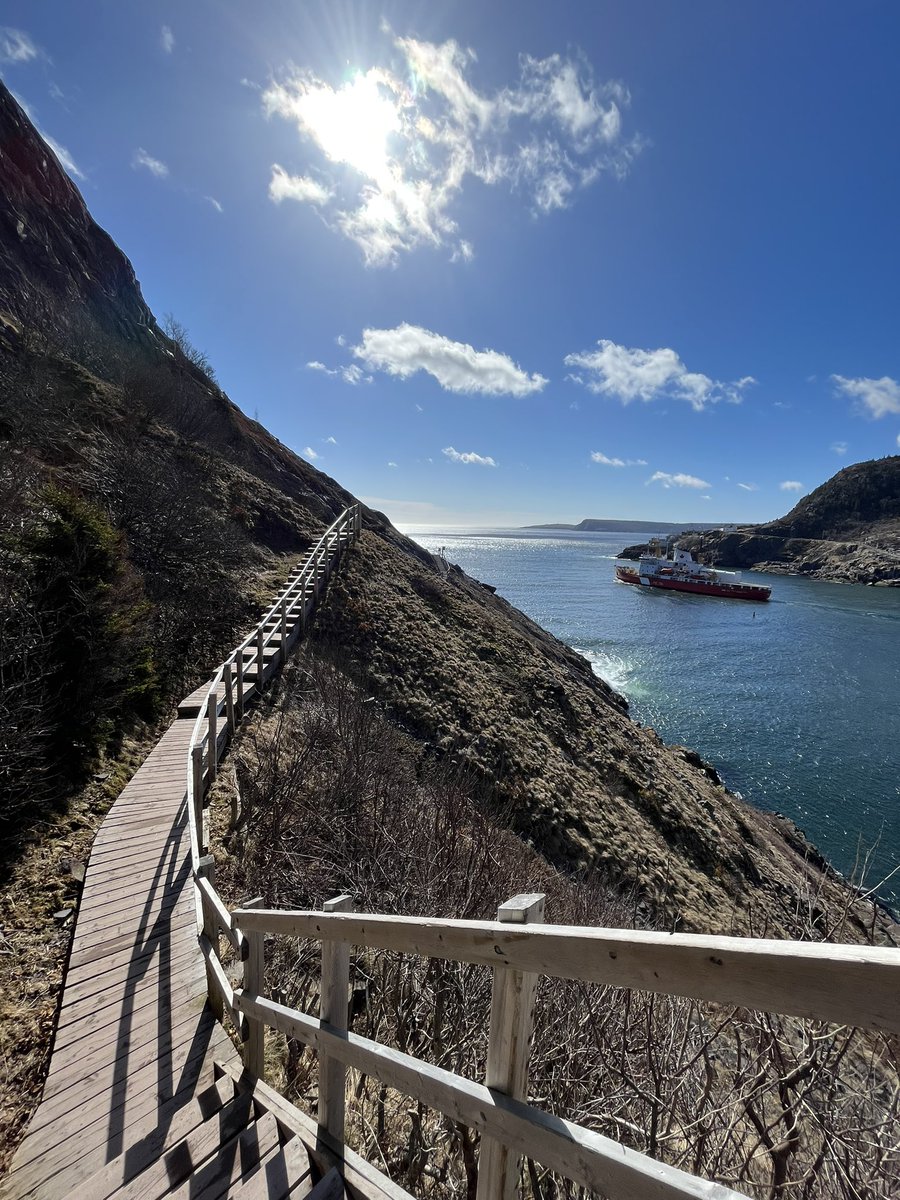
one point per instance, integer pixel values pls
(873, 562)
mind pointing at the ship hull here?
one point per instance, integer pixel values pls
(696, 587)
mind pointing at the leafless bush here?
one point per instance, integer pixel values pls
(334, 799)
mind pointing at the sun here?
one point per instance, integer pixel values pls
(353, 124)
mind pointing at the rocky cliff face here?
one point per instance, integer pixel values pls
(54, 259)
(470, 676)
(847, 530)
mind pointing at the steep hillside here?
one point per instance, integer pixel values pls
(116, 440)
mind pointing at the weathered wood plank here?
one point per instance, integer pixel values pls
(146, 1147)
(589, 1159)
(286, 1169)
(363, 1181)
(333, 1000)
(852, 985)
(232, 1163)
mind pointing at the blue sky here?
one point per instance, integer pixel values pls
(495, 263)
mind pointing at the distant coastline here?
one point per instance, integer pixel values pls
(593, 524)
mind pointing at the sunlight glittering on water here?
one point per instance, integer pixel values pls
(796, 702)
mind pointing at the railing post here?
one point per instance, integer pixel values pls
(197, 780)
(206, 869)
(512, 1012)
(253, 1031)
(239, 663)
(229, 695)
(260, 657)
(284, 645)
(333, 1004)
(212, 741)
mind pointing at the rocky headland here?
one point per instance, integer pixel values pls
(847, 531)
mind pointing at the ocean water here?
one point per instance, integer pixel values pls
(796, 702)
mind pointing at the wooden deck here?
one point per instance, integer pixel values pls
(146, 1095)
(135, 1038)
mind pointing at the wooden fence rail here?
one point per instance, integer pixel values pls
(854, 985)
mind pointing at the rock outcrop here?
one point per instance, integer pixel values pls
(847, 530)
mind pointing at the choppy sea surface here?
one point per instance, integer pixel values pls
(796, 702)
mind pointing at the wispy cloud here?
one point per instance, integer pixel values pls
(839, 447)
(749, 487)
(634, 374)
(791, 485)
(215, 203)
(392, 464)
(598, 457)
(17, 47)
(351, 373)
(309, 453)
(879, 396)
(283, 186)
(457, 366)
(167, 39)
(479, 460)
(679, 480)
(399, 146)
(330, 441)
(141, 159)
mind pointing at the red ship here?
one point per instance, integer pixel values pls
(681, 573)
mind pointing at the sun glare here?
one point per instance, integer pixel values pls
(353, 124)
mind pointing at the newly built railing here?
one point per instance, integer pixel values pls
(852, 985)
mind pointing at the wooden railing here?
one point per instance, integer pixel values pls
(852, 985)
(246, 671)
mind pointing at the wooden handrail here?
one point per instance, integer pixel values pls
(204, 741)
(853, 985)
(590, 1159)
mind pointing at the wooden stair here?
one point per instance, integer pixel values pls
(222, 1143)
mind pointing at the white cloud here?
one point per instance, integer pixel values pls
(330, 441)
(791, 485)
(399, 146)
(598, 457)
(634, 374)
(215, 203)
(456, 366)
(167, 39)
(839, 447)
(17, 47)
(283, 186)
(479, 460)
(153, 165)
(880, 396)
(749, 487)
(352, 373)
(308, 452)
(679, 480)
(392, 464)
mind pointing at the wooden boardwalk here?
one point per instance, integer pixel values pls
(146, 1095)
(135, 1036)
